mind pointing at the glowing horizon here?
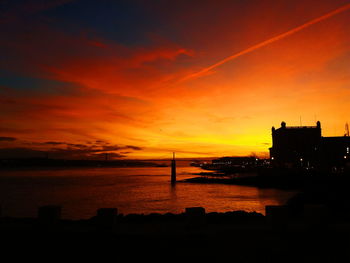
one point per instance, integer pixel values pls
(129, 79)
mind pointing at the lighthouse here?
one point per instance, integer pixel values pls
(173, 170)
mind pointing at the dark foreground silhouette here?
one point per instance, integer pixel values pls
(301, 231)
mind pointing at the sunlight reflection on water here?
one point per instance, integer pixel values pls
(132, 190)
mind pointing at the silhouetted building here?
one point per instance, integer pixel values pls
(335, 153)
(295, 146)
(304, 147)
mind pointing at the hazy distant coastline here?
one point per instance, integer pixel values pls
(40, 163)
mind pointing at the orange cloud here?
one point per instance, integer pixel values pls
(131, 95)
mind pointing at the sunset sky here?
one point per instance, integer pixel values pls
(141, 79)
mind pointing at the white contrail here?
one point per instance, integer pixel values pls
(267, 42)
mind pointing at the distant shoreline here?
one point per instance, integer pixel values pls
(283, 181)
(42, 164)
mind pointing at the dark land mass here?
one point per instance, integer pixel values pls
(331, 191)
(284, 183)
(287, 179)
(315, 221)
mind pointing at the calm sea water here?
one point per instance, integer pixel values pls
(132, 190)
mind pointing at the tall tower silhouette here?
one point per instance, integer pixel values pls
(173, 170)
(346, 130)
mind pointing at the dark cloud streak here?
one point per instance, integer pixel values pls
(7, 139)
(64, 150)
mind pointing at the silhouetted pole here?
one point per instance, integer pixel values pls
(346, 130)
(173, 170)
